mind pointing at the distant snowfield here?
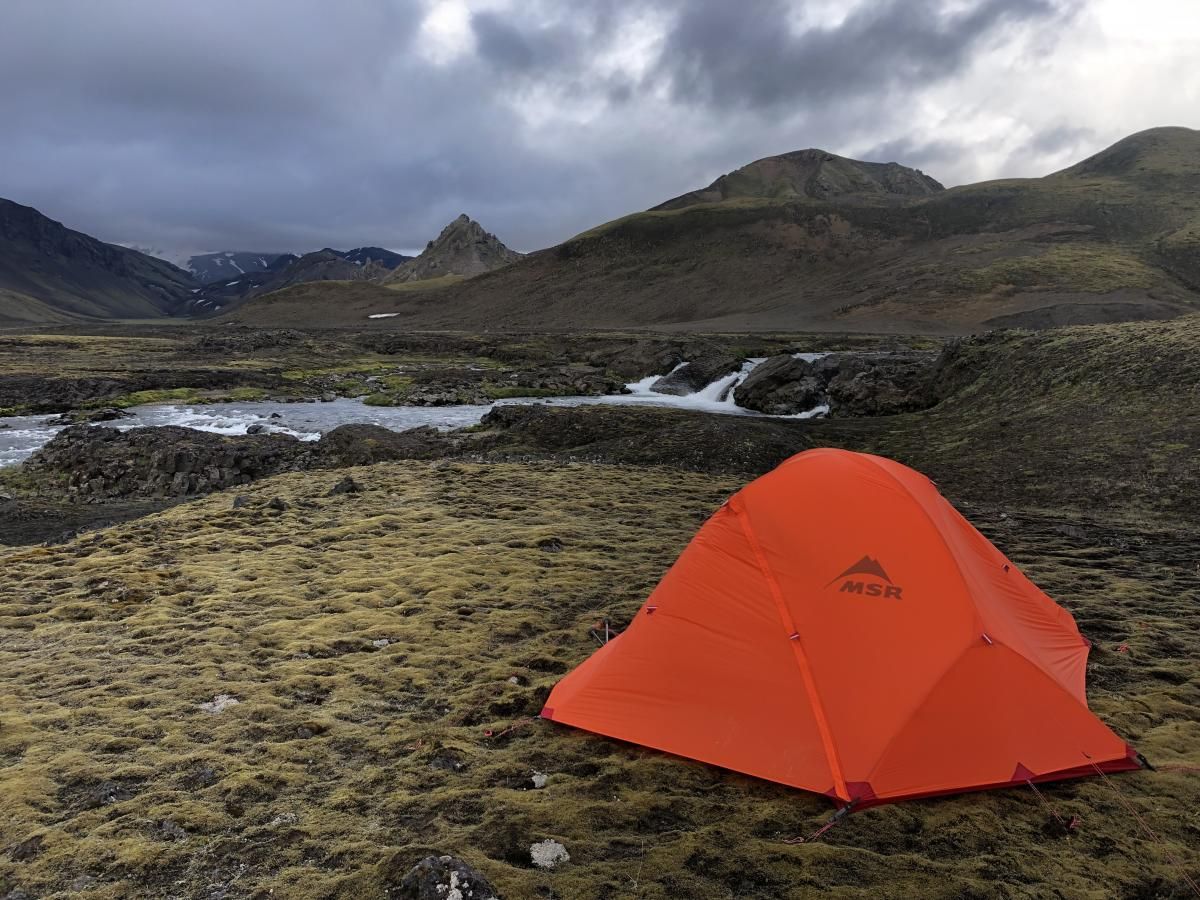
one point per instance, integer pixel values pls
(382, 315)
(20, 436)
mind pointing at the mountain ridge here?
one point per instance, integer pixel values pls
(1113, 238)
(813, 174)
(76, 276)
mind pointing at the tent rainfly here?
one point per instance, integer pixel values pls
(839, 627)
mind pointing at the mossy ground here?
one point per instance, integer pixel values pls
(346, 760)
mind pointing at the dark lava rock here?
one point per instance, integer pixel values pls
(637, 360)
(256, 428)
(564, 380)
(446, 394)
(683, 439)
(853, 384)
(240, 339)
(781, 386)
(359, 445)
(55, 394)
(27, 849)
(84, 416)
(437, 878)
(696, 375)
(346, 486)
(278, 504)
(99, 463)
(878, 384)
(240, 501)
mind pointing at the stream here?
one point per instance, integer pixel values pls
(20, 436)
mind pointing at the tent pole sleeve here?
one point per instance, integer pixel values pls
(793, 636)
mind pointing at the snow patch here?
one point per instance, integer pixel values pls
(382, 315)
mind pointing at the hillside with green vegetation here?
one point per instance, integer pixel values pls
(781, 245)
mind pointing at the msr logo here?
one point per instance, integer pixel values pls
(867, 577)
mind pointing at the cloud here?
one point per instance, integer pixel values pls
(748, 53)
(294, 124)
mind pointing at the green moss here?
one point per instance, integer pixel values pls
(382, 400)
(506, 391)
(1079, 268)
(139, 398)
(348, 759)
(245, 394)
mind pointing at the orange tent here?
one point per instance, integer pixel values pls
(839, 627)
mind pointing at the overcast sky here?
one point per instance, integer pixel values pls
(295, 124)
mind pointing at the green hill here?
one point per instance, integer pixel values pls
(801, 242)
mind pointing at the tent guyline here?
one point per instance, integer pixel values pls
(838, 626)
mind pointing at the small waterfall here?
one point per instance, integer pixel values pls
(717, 396)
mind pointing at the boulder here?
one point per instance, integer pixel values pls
(878, 384)
(441, 878)
(346, 486)
(84, 416)
(696, 375)
(639, 359)
(781, 386)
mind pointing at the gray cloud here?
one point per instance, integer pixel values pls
(294, 124)
(726, 53)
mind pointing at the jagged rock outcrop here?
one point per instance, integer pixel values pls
(877, 384)
(851, 384)
(463, 248)
(782, 386)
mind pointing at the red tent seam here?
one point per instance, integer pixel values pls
(797, 643)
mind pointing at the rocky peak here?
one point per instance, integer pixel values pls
(463, 248)
(815, 175)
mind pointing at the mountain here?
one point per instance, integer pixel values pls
(230, 264)
(462, 249)
(387, 258)
(286, 269)
(227, 264)
(50, 273)
(812, 175)
(815, 241)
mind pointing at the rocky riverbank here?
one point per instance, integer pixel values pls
(119, 367)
